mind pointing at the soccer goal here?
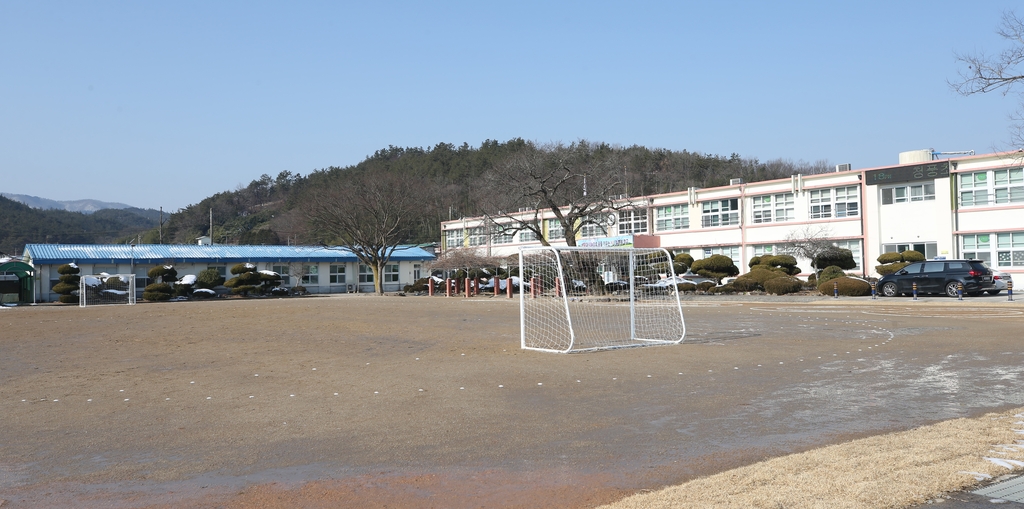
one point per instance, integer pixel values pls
(106, 289)
(578, 299)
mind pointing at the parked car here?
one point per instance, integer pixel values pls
(618, 286)
(1000, 279)
(939, 276)
(671, 282)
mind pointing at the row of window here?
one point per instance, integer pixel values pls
(991, 187)
(825, 203)
(1006, 249)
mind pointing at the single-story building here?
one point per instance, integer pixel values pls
(319, 269)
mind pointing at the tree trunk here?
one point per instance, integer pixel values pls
(378, 284)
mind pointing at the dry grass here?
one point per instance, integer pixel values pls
(895, 470)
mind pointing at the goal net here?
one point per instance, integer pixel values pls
(577, 299)
(106, 289)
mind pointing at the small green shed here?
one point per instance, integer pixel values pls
(16, 283)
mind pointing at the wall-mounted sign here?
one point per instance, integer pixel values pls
(897, 174)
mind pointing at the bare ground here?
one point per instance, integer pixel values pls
(429, 402)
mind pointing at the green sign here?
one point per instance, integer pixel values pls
(897, 174)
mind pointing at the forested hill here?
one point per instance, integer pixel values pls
(269, 209)
(21, 224)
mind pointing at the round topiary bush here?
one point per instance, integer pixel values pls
(209, 279)
(163, 274)
(299, 290)
(783, 285)
(68, 299)
(848, 286)
(912, 256)
(705, 286)
(715, 266)
(890, 268)
(155, 296)
(157, 292)
(891, 257)
(830, 272)
(686, 287)
(68, 283)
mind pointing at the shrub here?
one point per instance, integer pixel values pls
(745, 283)
(729, 288)
(715, 266)
(246, 281)
(783, 285)
(755, 261)
(299, 290)
(163, 273)
(830, 272)
(912, 256)
(202, 293)
(784, 263)
(891, 257)
(155, 296)
(835, 256)
(243, 290)
(420, 285)
(209, 279)
(243, 267)
(683, 259)
(686, 287)
(68, 283)
(705, 286)
(279, 291)
(157, 292)
(891, 268)
(848, 286)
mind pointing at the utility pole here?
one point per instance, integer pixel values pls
(211, 226)
(161, 225)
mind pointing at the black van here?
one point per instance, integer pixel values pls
(939, 276)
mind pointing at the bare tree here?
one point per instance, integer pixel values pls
(578, 184)
(810, 242)
(370, 213)
(985, 73)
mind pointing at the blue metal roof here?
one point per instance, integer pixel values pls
(50, 254)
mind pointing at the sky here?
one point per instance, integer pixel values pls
(161, 104)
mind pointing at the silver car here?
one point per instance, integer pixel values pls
(1000, 279)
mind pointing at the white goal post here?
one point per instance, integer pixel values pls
(106, 289)
(578, 299)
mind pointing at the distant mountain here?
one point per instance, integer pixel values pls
(21, 224)
(83, 206)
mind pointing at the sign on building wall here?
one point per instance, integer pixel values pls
(897, 174)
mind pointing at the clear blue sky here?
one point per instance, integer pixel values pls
(165, 103)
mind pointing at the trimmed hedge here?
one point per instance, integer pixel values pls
(912, 256)
(783, 285)
(155, 296)
(68, 299)
(891, 268)
(848, 286)
(830, 272)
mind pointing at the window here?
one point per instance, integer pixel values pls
(761, 209)
(633, 221)
(337, 274)
(281, 270)
(903, 194)
(477, 236)
(310, 275)
(1010, 249)
(764, 250)
(596, 227)
(974, 189)
(764, 208)
(1008, 185)
(821, 203)
(720, 213)
(104, 269)
(928, 249)
(365, 274)
(391, 273)
(671, 217)
(854, 247)
(978, 247)
(527, 236)
(846, 202)
(453, 238)
(503, 235)
(555, 230)
(416, 274)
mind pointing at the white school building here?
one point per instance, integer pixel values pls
(319, 269)
(962, 207)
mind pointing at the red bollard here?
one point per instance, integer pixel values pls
(468, 294)
(558, 287)
(476, 286)
(448, 287)
(430, 286)
(497, 286)
(508, 286)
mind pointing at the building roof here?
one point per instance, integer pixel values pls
(50, 254)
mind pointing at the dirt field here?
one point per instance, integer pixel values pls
(365, 401)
